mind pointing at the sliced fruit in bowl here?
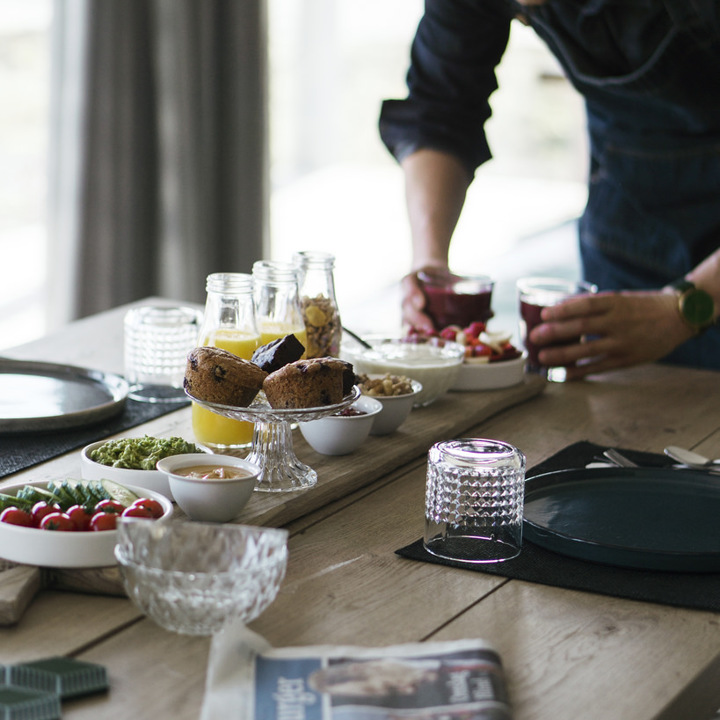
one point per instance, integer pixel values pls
(482, 345)
(490, 362)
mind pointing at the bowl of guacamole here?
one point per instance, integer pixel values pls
(133, 460)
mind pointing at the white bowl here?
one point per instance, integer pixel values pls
(395, 408)
(342, 434)
(209, 500)
(433, 362)
(490, 376)
(46, 548)
(149, 479)
(194, 578)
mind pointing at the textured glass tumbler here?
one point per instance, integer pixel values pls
(157, 341)
(474, 500)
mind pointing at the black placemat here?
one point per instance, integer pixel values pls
(19, 451)
(700, 591)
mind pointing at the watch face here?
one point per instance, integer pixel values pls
(698, 308)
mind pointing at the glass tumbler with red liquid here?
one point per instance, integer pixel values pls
(456, 299)
(536, 293)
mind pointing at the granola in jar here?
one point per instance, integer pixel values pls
(322, 324)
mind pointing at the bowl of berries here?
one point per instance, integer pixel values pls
(344, 432)
(491, 360)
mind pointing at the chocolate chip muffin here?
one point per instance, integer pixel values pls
(218, 376)
(309, 383)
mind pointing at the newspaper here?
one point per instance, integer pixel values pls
(249, 680)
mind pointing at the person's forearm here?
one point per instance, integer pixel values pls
(435, 187)
(707, 277)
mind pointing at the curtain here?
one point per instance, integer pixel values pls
(159, 172)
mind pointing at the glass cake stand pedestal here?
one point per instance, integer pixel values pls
(272, 446)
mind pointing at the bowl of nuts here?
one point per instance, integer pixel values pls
(396, 394)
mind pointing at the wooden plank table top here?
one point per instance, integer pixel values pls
(567, 654)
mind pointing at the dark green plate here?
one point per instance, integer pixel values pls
(648, 518)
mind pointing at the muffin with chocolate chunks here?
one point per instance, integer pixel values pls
(218, 376)
(309, 383)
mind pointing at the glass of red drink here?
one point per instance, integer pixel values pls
(456, 299)
(536, 293)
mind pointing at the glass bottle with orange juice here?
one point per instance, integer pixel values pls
(277, 301)
(229, 323)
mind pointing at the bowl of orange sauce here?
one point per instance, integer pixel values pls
(209, 487)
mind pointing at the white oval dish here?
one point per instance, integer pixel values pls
(51, 548)
(490, 376)
(342, 434)
(433, 362)
(209, 500)
(149, 479)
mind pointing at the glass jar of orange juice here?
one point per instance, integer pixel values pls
(277, 301)
(228, 323)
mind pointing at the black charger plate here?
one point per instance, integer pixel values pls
(647, 518)
(40, 396)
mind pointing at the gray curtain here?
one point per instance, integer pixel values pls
(159, 172)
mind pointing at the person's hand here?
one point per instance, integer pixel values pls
(619, 329)
(413, 299)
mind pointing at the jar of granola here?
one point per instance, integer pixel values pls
(318, 302)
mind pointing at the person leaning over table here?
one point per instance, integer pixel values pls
(649, 71)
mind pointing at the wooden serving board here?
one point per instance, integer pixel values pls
(450, 416)
(18, 586)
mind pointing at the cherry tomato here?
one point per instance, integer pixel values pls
(137, 511)
(41, 509)
(109, 506)
(57, 521)
(80, 517)
(16, 516)
(152, 505)
(103, 521)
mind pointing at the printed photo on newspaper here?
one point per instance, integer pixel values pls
(249, 680)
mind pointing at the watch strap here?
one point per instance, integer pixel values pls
(682, 285)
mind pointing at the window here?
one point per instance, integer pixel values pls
(25, 92)
(335, 187)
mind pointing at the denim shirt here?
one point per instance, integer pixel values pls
(649, 71)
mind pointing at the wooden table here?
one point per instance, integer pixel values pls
(567, 654)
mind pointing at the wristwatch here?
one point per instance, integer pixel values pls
(697, 307)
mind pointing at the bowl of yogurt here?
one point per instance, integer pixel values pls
(434, 362)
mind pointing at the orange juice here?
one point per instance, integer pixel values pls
(209, 427)
(270, 330)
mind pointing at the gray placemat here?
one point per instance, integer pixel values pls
(19, 451)
(699, 591)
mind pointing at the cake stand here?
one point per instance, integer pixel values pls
(272, 446)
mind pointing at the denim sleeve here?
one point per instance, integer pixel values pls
(456, 48)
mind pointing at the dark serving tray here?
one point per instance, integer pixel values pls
(647, 518)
